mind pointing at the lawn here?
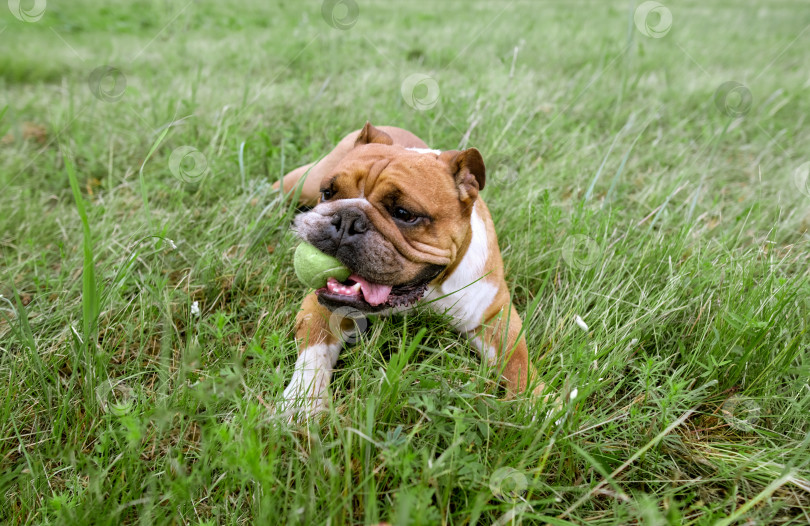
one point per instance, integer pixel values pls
(648, 177)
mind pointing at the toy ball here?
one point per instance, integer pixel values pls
(313, 267)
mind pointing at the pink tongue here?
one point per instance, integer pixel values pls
(373, 293)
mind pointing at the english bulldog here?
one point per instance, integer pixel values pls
(409, 223)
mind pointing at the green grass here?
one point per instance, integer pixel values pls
(120, 405)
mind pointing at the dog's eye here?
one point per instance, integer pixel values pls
(403, 215)
(327, 194)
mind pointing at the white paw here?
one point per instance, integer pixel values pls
(305, 396)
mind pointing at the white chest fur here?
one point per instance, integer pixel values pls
(465, 295)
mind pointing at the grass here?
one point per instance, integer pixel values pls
(148, 303)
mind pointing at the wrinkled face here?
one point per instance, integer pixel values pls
(395, 217)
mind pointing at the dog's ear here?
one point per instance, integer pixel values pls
(467, 169)
(370, 134)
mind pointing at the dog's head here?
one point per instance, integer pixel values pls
(397, 217)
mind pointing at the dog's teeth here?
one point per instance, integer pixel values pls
(336, 287)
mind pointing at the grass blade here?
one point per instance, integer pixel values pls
(90, 304)
(154, 147)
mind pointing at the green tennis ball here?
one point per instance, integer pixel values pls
(313, 267)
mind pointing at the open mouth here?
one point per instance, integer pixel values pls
(358, 292)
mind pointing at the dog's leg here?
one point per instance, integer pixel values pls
(318, 351)
(502, 344)
(311, 188)
(289, 182)
(315, 172)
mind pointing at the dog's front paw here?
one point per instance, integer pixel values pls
(305, 396)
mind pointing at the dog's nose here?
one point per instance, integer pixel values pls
(349, 223)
